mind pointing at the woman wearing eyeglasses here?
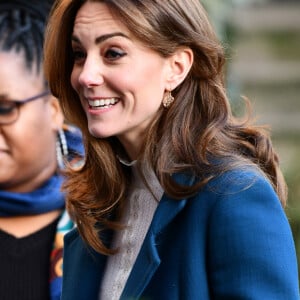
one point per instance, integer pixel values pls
(34, 144)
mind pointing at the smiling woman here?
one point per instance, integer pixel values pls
(34, 145)
(177, 199)
(117, 77)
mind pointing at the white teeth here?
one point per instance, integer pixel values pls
(103, 102)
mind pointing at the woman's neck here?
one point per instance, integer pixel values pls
(21, 226)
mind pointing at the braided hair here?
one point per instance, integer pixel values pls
(22, 26)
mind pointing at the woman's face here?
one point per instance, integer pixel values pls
(120, 82)
(27, 146)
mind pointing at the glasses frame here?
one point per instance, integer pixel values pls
(19, 103)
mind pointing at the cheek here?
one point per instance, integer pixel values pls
(74, 79)
(44, 142)
(41, 146)
(152, 77)
(35, 131)
(150, 87)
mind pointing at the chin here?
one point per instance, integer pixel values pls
(98, 133)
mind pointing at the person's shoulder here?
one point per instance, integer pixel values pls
(242, 191)
(242, 196)
(74, 244)
(237, 187)
(233, 189)
(71, 236)
(239, 180)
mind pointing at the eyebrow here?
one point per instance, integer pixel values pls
(102, 38)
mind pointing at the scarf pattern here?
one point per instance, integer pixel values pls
(65, 224)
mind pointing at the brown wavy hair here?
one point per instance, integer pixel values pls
(197, 135)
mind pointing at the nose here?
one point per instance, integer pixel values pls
(91, 74)
(2, 139)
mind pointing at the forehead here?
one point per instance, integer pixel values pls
(96, 17)
(17, 81)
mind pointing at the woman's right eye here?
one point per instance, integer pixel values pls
(113, 54)
(78, 55)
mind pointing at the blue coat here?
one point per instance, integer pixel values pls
(230, 241)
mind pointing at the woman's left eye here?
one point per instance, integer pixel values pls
(114, 54)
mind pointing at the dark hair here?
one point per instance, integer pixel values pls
(22, 26)
(197, 134)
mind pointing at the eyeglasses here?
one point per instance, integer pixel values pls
(10, 109)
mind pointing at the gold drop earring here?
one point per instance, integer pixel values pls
(168, 99)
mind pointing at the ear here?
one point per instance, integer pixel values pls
(57, 116)
(180, 64)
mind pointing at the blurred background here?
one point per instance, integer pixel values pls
(262, 40)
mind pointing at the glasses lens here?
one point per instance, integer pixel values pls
(8, 112)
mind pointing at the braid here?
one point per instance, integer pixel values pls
(22, 28)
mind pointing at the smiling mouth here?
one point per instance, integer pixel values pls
(103, 103)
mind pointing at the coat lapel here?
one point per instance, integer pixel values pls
(148, 259)
(84, 269)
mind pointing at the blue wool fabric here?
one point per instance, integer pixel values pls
(46, 198)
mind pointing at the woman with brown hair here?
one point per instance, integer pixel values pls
(177, 198)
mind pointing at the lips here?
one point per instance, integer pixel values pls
(102, 103)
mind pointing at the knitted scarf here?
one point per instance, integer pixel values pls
(45, 199)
